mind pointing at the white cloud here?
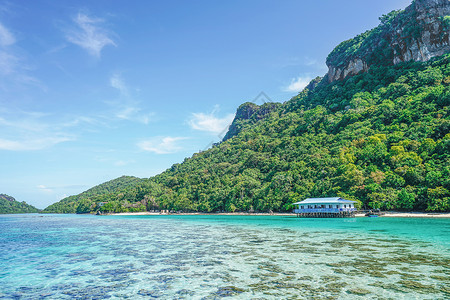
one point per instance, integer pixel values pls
(56, 189)
(83, 121)
(8, 63)
(121, 163)
(28, 131)
(117, 82)
(288, 62)
(134, 113)
(111, 160)
(161, 145)
(6, 37)
(12, 66)
(297, 84)
(31, 144)
(126, 108)
(310, 61)
(90, 35)
(44, 189)
(127, 112)
(146, 118)
(210, 122)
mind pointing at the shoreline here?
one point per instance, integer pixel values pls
(388, 214)
(147, 213)
(396, 214)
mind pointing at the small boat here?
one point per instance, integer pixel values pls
(373, 213)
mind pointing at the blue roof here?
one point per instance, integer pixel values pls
(324, 200)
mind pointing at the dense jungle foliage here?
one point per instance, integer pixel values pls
(381, 138)
(9, 205)
(90, 200)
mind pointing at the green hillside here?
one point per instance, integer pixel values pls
(9, 205)
(88, 200)
(380, 137)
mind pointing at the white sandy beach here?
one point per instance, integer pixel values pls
(147, 213)
(415, 215)
(389, 214)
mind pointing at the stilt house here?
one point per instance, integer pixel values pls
(325, 208)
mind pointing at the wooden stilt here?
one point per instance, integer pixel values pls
(342, 214)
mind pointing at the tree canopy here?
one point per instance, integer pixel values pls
(9, 205)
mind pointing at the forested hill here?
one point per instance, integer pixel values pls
(9, 205)
(380, 137)
(101, 193)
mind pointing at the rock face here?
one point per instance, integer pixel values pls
(7, 198)
(249, 112)
(418, 33)
(433, 39)
(354, 67)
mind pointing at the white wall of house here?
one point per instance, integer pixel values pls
(325, 205)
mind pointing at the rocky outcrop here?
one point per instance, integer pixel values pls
(353, 67)
(432, 38)
(418, 33)
(7, 198)
(313, 83)
(249, 112)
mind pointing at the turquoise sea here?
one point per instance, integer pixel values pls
(212, 257)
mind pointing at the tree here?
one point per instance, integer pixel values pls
(406, 200)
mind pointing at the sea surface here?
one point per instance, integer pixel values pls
(214, 257)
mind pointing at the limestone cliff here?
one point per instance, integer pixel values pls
(249, 112)
(419, 33)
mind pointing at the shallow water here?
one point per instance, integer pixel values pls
(211, 257)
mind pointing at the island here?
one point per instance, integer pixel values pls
(9, 205)
(375, 129)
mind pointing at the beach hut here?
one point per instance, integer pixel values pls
(335, 207)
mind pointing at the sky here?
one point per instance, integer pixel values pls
(93, 90)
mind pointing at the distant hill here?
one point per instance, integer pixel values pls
(95, 195)
(375, 129)
(9, 205)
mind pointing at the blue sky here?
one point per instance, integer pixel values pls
(92, 90)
